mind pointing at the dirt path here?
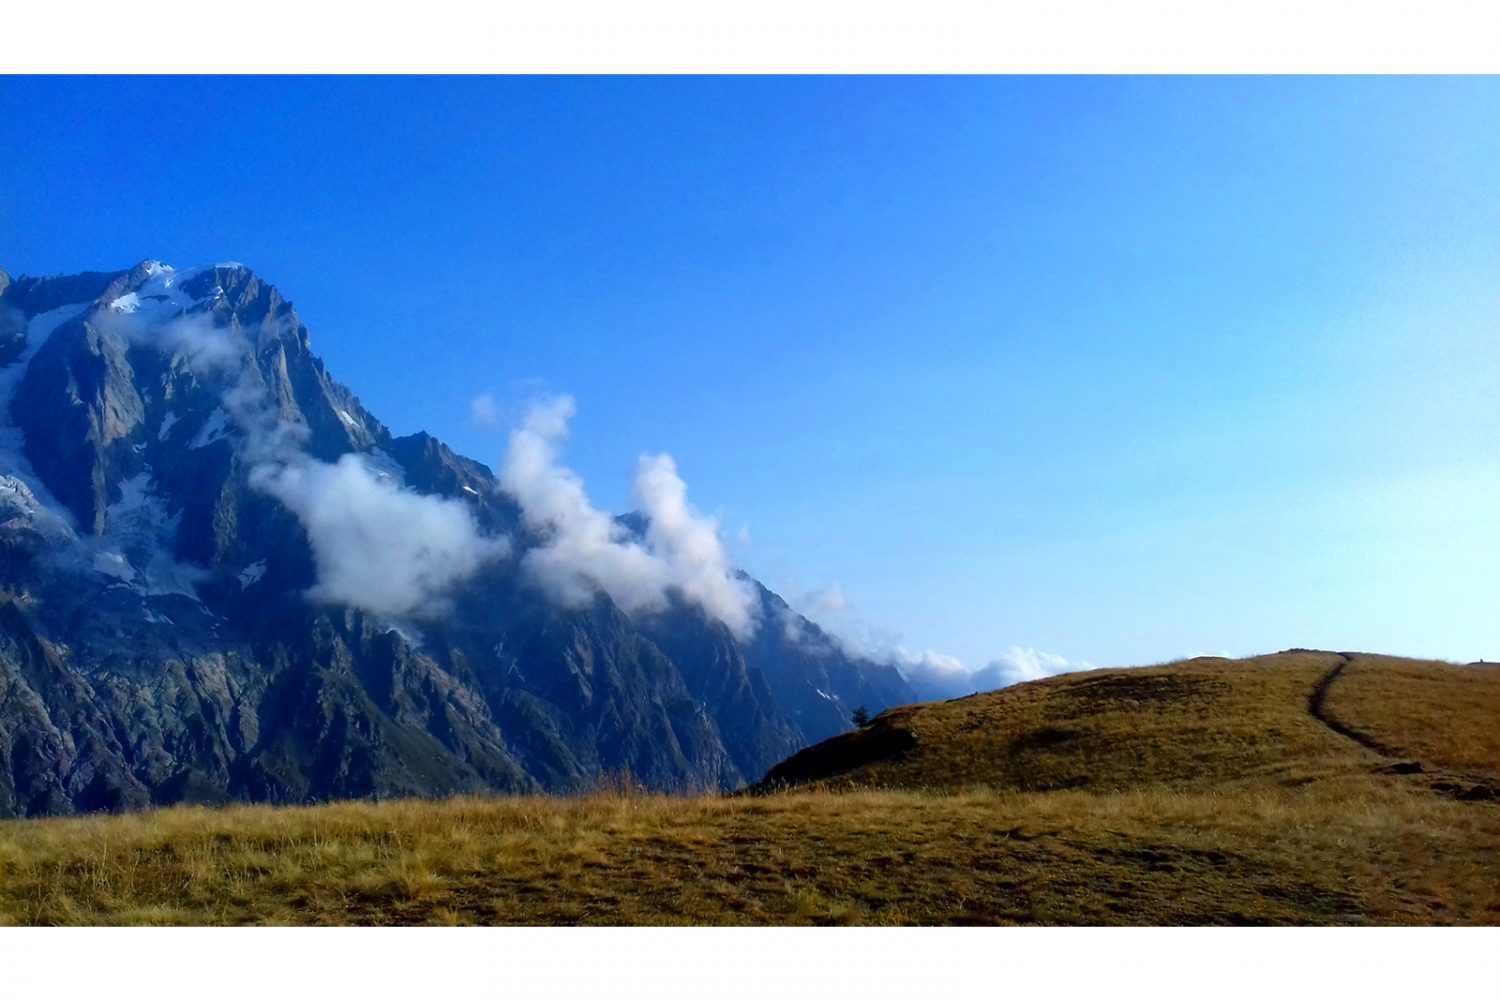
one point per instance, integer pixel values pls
(1317, 707)
(1464, 789)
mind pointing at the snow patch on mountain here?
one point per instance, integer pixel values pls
(127, 303)
(140, 535)
(44, 513)
(160, 296)
(215, 428)
(252, 573)
(111, 563)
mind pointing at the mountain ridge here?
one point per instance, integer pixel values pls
(179, 472)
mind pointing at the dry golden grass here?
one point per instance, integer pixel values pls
(1200, 724)
(1355, 851)
(1447, 717)
(1212, 796)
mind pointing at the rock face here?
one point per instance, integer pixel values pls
(162, 637)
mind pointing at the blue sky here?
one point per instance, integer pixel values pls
(1118, 368)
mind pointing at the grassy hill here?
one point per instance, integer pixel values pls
(1206, 724)
(1301, 788)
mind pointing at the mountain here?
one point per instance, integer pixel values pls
(222, 578)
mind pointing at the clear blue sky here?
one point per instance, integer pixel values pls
(1122, 369)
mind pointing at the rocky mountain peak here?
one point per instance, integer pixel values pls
(222, 578)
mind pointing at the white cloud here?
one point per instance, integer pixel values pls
(378, 545)
(584, 549)
(825, 603)
(195, 338)
(484, 410)
(930, 673)
(204, 346)
(936, 675)
(1017, 664)
(267, 435)
(688, 543)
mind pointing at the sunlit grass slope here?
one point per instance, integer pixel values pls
(1210, 791)
(1447, 717)
(1207, 723)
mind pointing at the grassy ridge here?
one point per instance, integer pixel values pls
(1205, 723)
(1203, 792)
(1447, 717)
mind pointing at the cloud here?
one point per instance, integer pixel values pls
(931, 674)
(1016, 665)
(268, 437)
(378, 545)
(688, 543)
(194, 338)
(204, 346)
(824, 603)
(584, 549)
(484, 410)
(830, 608)
(934, 675)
